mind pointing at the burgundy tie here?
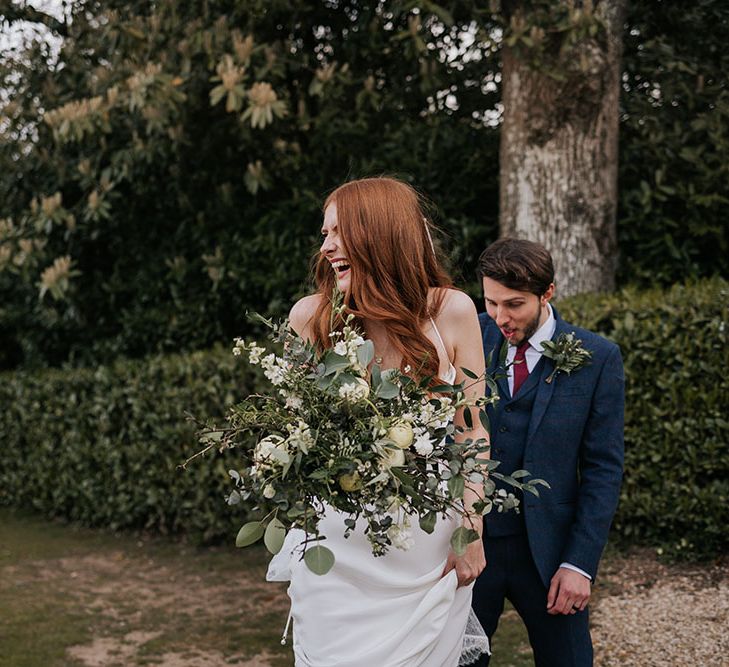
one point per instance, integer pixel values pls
(521, 371)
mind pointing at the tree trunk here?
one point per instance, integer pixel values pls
(559, 155)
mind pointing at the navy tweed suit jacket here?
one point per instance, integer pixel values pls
(574, 442)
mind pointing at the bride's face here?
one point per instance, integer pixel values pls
(332, 248)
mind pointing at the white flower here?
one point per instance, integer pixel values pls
(392, 457)
(355, 391)
(401, 434)
(341, 348)
(268, 491)
(255, 352)
(423, 445)
(294, 403)
(239, 346)
(271, 449)
(401, 536)
(274, 369)
(300, 436)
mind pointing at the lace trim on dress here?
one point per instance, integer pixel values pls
(475, 641)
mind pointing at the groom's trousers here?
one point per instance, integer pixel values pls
(557, 641)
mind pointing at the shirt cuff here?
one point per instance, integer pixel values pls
(574, 568)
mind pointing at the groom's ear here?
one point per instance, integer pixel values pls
(546, 297)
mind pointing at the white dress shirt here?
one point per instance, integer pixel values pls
(532, 356)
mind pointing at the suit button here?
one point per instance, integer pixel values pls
(508, 409)
(498, 450)
(503, 429)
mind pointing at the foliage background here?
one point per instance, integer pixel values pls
(171, 214)
(105, 447)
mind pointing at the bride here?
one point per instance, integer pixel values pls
(406, 608)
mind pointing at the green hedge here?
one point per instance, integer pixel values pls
(675, 346)
(101, 447)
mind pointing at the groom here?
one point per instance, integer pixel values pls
(568, 431)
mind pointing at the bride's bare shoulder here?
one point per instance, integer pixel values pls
(455, 305)
(302, 313)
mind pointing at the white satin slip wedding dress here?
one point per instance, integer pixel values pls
(395, 610)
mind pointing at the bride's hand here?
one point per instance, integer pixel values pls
(468, 566)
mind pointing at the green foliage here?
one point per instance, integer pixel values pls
(165, 173)
(102, 446)
(675, 346)
(674, 142)
(183, 152)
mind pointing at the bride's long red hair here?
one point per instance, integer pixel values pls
(393, 264)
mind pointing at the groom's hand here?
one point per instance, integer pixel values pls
(569, 592)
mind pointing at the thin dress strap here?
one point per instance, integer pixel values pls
(451, 367)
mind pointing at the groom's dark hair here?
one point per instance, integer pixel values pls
(517, 264)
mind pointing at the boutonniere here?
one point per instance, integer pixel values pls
(567, 354)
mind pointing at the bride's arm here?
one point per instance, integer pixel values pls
(460, 324)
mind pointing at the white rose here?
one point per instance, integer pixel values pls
(401, 434)
(393, 457)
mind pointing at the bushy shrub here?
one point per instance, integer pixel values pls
(675, 346)
(102, 446)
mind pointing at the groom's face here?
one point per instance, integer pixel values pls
(518, 314)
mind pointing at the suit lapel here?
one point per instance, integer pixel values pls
(544, 389)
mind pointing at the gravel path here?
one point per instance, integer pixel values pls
(651, 615)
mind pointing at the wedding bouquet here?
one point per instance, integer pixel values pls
(373, 443)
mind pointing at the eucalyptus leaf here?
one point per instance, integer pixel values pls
(366, 353)
(484, 419)
(249, 533)
(461, 538)
(319, 559)
(274, 536)
(456, 486)
(376, 376)
(334, 362)
(387, 390)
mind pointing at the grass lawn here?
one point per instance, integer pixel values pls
(73, 598)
